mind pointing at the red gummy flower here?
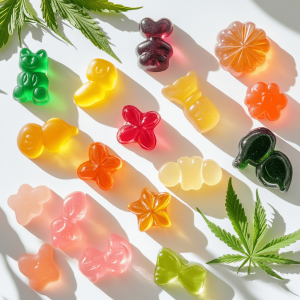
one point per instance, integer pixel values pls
(100, 166)
(265, 101)
(139, 127)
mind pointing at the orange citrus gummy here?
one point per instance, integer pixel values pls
(39, 268)
(151, 209)
(241, 48)
(53, 135)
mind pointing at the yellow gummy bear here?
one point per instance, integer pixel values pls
(102, 76)
(53, 135)
(199, 110)
(191, 172)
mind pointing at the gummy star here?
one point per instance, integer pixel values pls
(151, 209)
(28, 202)
(39, 268)
(100, 166)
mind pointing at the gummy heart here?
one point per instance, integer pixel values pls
(162, 28)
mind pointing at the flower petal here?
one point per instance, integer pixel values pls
(97, 152)
(147, 198)
(132, 115)
(257, 112)
(137, 208)
(161, 201)
(87, 170)
(150, 119)
(161, 218)
(145, 221)
(272, 113)
(104, 180)
(147, 139)
(112, 163)
(127, 134)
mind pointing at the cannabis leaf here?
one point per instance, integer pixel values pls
(258, 258)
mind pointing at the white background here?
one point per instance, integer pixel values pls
(196, 24)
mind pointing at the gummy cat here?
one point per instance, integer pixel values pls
(116, 259)
(198, 109)
(53, 135)
(64, 229)
(273, 168)
(102, 76)
(170, 267)
(191, 172)
(154, 54)
(32, 82)
(28, 202)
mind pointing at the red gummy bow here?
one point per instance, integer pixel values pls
(117, 257)
(139, 127)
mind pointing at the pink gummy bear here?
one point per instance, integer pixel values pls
(64, 229)
(94, 263)
(28, 202)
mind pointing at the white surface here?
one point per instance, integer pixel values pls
(196, 26)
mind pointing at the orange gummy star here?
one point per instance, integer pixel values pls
(39, 268)
(151, 209)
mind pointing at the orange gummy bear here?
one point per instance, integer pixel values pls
(39, 268)
(151, 209)
(241, 48)
(100, 166)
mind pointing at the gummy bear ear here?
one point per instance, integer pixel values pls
(255, 147)
(25, 52)
(162, 28)
(42, 54)
(74, 206)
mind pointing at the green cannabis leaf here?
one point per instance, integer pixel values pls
(258, 258)
(15, 13)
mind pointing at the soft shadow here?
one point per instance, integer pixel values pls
(280, 68)
(126, 92)
(286, 12)
(63, 82)
(2, 92)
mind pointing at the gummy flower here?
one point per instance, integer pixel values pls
(100, 166)
(28, 202)
(265, 101)
(241, 48)
(139, 127)
(151, 209)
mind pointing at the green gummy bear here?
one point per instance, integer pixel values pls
(170, 267)
(32, 81)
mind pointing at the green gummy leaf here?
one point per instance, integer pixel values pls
(229, 239)
(103, 5)
(236, 215)
(227, 258)
(268, 270)
(276, 259)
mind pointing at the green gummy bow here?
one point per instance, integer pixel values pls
(170, 267)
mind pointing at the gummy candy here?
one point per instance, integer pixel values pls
(273, 168)
(199, 110)
(64, 229)
(39, 268)
(28, 202)
(241, 48)
(191, 172)
(102, 76)
(117, 257)
(139, 127)
(151, 209)
(171, 267)
(265, 101)
(32, 82)
(54, 134)
(154, 54)
(100, 166)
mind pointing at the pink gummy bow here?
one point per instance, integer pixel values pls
(139, 127)
(64, 229)
(116, 258)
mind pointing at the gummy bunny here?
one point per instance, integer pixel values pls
(154, 54)
(191, 172)
(64, 229)
(54, 134)
(199, 110)
(102, 76)
(32, 81)
(39, 268)
(116, 258)
(28, 202)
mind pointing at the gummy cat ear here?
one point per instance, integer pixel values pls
(42, 54)
(25, 51)
(74, 206)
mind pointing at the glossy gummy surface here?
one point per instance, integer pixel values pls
(139, 127)
(39, 268)
(32, 82)
(170, 267)
(151, 209)
(264, 101)
(64, 229)
(100, 166)
(116, 258)
(241, 48)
